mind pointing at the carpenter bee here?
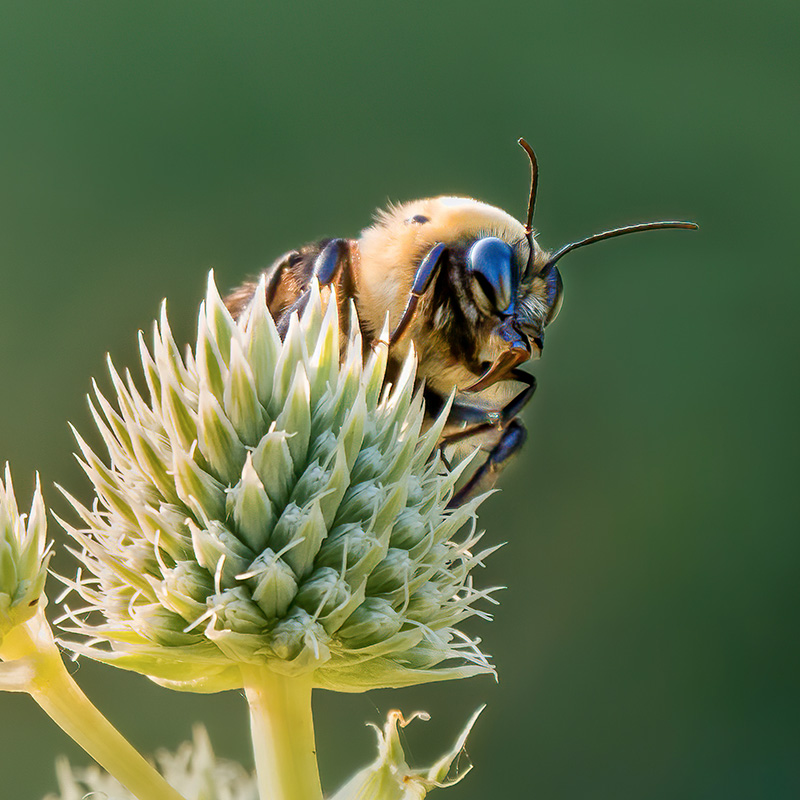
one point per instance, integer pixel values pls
(463, 281)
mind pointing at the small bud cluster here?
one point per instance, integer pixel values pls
(193, 770)
(273, 502)
(23, 557)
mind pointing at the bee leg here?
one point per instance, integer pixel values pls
(484, 478)
(491, 422)
(327, 266)
(511, 439)
(422, 280)
(330, 261)
(276, 274)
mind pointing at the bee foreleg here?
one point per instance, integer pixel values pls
(327, 267)
(422, 280)
(485, 476)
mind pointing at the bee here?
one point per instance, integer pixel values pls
(464, 282)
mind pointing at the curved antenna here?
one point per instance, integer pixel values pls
(534, 182)
(531, 199)
(598, 237)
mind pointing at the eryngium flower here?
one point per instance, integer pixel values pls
(193, 770)
(272, 502)
(23, 557)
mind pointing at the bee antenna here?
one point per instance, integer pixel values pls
(531, 199)
(598, 237)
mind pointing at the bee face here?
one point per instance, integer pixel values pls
(492, 292)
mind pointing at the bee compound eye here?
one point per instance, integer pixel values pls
(491, 260)
(553, 289)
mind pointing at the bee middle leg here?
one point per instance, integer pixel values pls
(511, 435)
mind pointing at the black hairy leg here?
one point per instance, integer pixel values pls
(512, 435)
(485, 476)
(422, 280)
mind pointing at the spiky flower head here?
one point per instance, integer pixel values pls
(23, 557)
(272, 502)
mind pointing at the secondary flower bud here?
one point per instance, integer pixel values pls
(23, 557)
(390, 777)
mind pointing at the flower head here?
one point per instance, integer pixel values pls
(273, 502)
(23, 557)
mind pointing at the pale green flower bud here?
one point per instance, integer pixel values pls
(23, 557)
(359, 550)
(273, 584)
(373, 621)
(235, 611)
(323, 593)
(395, 571)
(160, 626)
(269, 502)
(251, 508)
(299, 642)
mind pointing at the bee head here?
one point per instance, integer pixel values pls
(484, 286)
(517, 311)
(528, 299)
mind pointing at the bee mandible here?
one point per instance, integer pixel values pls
(463, 281)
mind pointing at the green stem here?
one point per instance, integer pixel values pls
(283, 735)
(62, 700)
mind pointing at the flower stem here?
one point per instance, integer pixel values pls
(283, 735)
(53, 688)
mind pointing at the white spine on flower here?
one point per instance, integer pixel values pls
(273, 502)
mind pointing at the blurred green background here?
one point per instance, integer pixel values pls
(647, 643)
